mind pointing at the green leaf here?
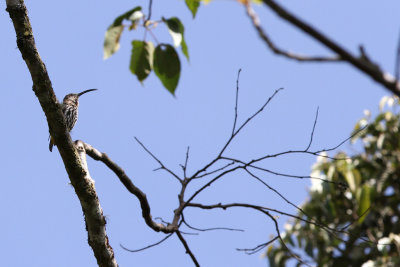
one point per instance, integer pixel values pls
(136, 16)
(111, 40)
(364, 203)
(193, 5)
(309, 248)
(114, 31)
(176, 29)
(167, 66)
(126, 15)
(141, 59)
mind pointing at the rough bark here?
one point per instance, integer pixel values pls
(84, 187)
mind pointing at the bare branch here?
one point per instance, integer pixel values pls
(236, 102)
(188, 251)
(147, 247)
(344, 141)
(209, 184)
(184, 167)
(276, 192)
(233, 135)
(251, 251)
(159, 161)
(263, 35)
(297, 257)
(366, 66)
(214, 171)
(127, 182)
(397, 63)
(315, 153)
(313, 129)
(331, 231)
(298, 176)
(284, 174)
(258, 208)
(208, 229)
(252, 117)
(150, 8)
(187, 233)
(358, 217)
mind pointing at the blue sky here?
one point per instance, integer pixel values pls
(42, 223)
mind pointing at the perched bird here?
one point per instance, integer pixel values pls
(70, 110)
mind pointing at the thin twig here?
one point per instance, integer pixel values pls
(315, 153)
(344, 141)
(313, 129)
(186, 163)
(209, 184)
(276, 192)
(278, 232)
(159, 161)
(188, 251)
(146, 247)
(214, 171)
(367, 67)
(397, 63)
(187, 233)
(358, 217)
(161, 220)
(236, 102)
(258, 208)
(331, 231)
(282, 174)
(263, 35)
(209, 229)
(235, 134)
(296, 176)
(251, 251)
(254, 115)
(150, 9)
(152, 35)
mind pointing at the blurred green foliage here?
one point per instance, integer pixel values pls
(360, 210)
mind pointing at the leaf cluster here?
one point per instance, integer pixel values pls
(361, 207)
(163, 58)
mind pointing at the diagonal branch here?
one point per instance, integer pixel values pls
(263, 35)
(149, 246)
(251, 251)
(78, 175)
(208, 229)
(397, 63)
(159, 161)
(313, 129)
(362, 63)
(127, 182)
(188, 251)
(236, 102)
(234, 131)
(263, 210)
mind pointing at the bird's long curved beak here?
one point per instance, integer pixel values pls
(86, 91)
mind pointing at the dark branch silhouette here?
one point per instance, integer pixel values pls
(149, 246)
(159, 161)
(274, 48)
(361, 62)
(188, 251)
(251, 251)
(313, 129)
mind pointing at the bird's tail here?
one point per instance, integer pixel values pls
(51, 144)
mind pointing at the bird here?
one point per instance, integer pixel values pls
(69, 108)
